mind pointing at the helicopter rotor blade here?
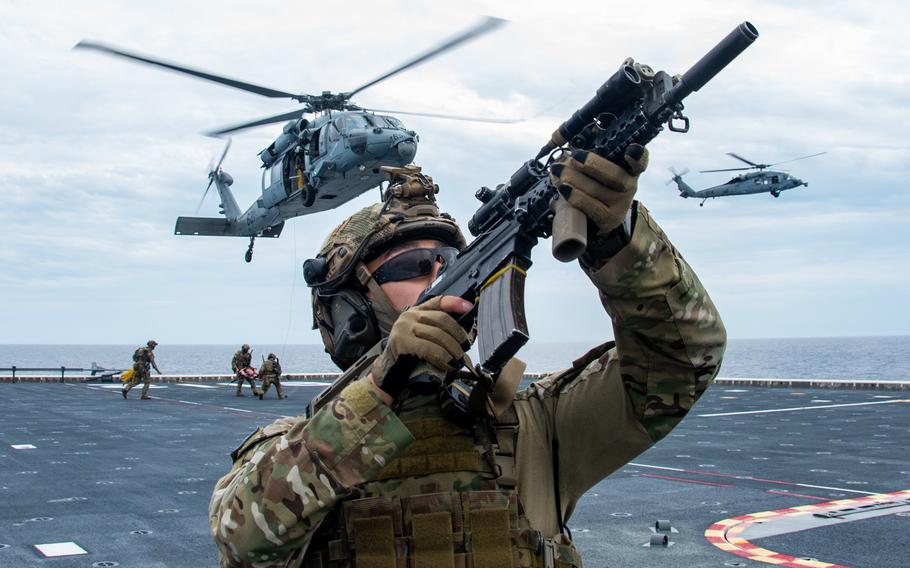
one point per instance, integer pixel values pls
(242, 85)
(676, 174)
(486, 25)
(267, 120)
(212, 175)
(741, 159)
(450, 116)
(795, 159)
(724, 170)
(223, 154)
(213, 172)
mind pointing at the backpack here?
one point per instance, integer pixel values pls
(137, 355)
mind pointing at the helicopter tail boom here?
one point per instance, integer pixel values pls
(684, 189)
(218, 227)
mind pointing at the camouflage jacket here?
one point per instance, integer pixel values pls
(143, 359)
(270, 369)
(241, 360)
(610, 406)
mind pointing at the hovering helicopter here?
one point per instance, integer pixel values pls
(761, 181)
(315, 164)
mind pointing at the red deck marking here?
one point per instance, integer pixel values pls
(685, 480)
(796, 495)
(724, 534)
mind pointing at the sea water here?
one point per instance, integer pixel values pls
(879, 358)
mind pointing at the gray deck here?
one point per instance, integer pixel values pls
(129, 481)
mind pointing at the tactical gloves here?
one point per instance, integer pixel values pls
(597, 187)
(423, 333)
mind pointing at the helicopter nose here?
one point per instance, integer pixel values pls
(407, 149)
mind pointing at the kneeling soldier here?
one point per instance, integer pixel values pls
(270, 373)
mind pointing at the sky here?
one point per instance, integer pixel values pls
(98, 156)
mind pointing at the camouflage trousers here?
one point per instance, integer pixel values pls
(269, 381)
(140, 375)
(240, 378)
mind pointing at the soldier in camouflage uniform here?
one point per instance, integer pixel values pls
(240, 361)
(270, 373)
(143, 359)
(381, 476)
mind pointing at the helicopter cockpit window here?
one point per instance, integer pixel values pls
(775, 179)
(275, 172)
(333, 133)
(354, 121)
(393, 122)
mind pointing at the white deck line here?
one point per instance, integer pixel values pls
(794, 409)
(237, 409)
(750, 478)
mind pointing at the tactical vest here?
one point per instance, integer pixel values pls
(270, 370)
(142, 359)
(448, 502)
(241, 361)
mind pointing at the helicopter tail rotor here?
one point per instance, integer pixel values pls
(676, 174)
(215, 171)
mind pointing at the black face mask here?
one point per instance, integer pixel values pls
(414, 264)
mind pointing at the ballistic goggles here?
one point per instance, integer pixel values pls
(414, 264)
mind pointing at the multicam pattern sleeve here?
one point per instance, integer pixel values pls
(290, 475)
(614, 404)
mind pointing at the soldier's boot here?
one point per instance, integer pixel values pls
(123, 392)
(145, 397)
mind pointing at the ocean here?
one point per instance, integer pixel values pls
(880, 358)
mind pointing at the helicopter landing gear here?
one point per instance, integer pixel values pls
(775, 194)
(702, 204)
(308, 193)
(249, 251)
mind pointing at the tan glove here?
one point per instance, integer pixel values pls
(424, 333)
(597, 187)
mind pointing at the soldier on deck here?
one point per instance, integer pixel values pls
(143, 359)
(391, 472)
(240, 362)
(270, 373)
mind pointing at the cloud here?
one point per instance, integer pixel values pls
(98, 156)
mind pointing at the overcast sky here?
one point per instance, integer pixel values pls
(98, 156)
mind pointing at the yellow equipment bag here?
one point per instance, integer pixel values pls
(125, 376)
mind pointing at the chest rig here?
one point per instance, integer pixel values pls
(449, 501)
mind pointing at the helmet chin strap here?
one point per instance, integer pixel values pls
(385, 312)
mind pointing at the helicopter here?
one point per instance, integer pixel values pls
(761, 181)
(316, 163)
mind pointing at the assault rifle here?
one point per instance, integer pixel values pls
(632, 106)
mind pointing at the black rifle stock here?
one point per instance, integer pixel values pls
(632, 106)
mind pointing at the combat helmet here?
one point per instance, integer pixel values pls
(152, 343)
(349, 322)
(244, 348)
